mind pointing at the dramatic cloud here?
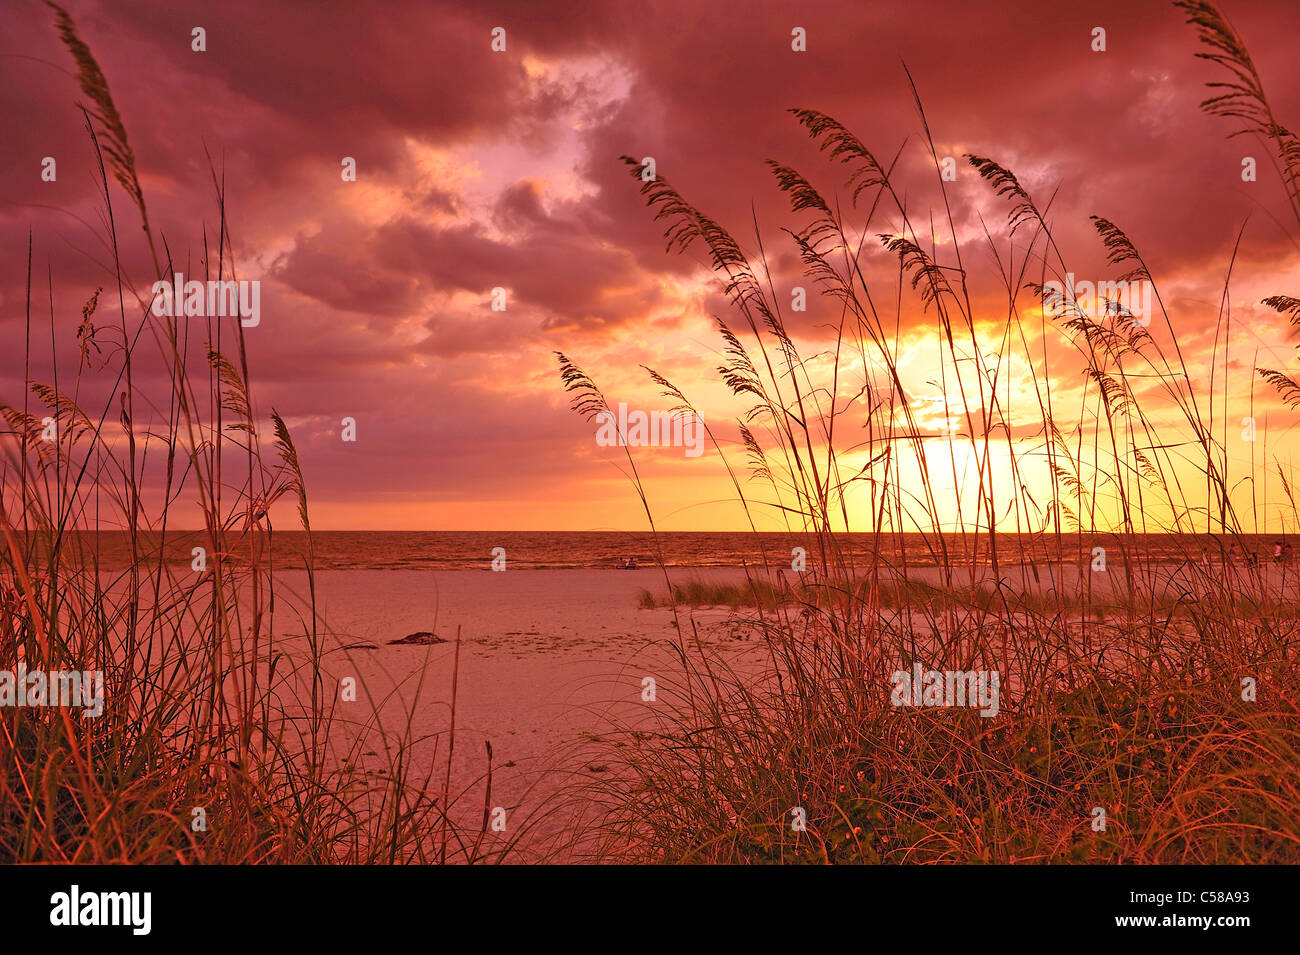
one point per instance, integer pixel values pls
(480, 171)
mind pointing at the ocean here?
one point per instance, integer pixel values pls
(533, 550)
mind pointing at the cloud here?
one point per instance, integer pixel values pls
(479, 170)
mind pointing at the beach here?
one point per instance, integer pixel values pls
(549, 662)
(551, 665)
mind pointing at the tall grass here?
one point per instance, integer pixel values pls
(222, 737)
(1124, 691)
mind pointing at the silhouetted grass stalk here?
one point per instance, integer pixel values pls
(1127, 696)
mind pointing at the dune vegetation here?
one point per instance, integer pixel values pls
(1154, 722)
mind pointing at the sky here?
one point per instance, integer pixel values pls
(481, 169)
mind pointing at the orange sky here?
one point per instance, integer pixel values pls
(479, 170)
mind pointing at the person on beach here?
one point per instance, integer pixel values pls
(1277, 552)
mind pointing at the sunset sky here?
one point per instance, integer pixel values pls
(479, 169)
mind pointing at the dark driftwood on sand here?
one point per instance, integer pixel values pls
(422, 638)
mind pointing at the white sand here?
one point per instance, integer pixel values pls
(548, 658)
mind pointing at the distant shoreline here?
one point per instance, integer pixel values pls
(699, 551)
